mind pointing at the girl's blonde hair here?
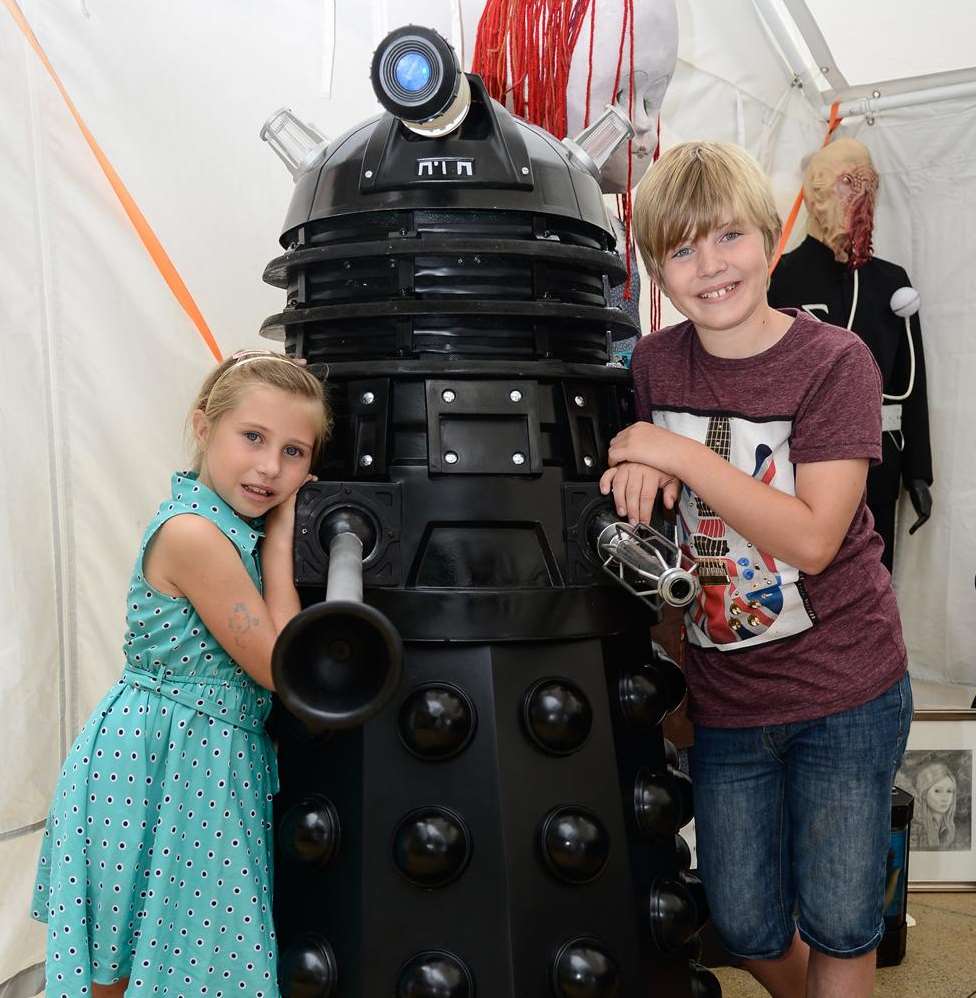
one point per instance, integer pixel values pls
(694, 188)
(223, 387)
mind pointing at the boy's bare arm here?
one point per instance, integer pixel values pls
(805, 530)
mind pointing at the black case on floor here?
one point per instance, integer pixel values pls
(892, 949)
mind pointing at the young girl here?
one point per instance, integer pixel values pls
(758, 426)
(155, 870)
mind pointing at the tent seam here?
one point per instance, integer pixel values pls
(751, 96)
(57, 439)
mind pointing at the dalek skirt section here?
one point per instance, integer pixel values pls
(476, 798)
(487, 813)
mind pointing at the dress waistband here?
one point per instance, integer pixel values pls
(169, 687)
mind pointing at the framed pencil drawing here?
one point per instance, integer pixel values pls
(937, 770)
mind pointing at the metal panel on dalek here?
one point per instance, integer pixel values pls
(475, 794)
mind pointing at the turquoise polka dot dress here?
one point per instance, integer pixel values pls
(156, 859)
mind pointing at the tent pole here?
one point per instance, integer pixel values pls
(797, 63)
(872, 105)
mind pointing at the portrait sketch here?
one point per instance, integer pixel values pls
(941, 781)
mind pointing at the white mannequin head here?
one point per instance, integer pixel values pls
(655, 54)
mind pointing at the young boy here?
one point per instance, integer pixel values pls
(758, 426)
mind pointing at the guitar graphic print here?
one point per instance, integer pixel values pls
(741, 591)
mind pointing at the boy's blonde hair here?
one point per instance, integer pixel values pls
(694, 188)
(223, 387)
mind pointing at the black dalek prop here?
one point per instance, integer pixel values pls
(476, 798)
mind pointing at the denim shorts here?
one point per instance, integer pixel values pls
(792, 824)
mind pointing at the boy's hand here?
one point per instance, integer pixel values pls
(647, 444)
(635, 487)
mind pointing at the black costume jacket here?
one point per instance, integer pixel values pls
(809, 277)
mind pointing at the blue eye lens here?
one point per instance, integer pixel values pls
(412, 71)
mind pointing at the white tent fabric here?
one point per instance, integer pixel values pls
(98, 362)
(927, 221)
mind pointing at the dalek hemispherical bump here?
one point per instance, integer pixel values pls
(307, 969)
(585, 968)
(696, 888)
(682, 853)
(574, 843)
(663, 802)
(645, 698)
(437, 721)
(431, 847)
(674, 917)
(704, 984)
(642, 702)
(435, 974)
(310, 831)
(557, 716)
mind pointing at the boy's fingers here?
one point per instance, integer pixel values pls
(670, 492)
(620, 491)
(606, 480)
(634, 484)
(647, 495)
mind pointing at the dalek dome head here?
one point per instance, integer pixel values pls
(441, 142)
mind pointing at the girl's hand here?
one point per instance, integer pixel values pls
(279, 524)
(647, 444)
(635, 487)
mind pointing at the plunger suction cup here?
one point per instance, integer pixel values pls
(337, 664)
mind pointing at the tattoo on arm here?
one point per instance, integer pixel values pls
(241, 622)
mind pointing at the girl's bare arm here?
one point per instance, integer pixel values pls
(191, 557)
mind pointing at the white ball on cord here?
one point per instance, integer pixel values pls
(905, 302)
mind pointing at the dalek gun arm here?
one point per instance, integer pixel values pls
(645, 560)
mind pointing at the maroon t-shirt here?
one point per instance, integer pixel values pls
(767, 643)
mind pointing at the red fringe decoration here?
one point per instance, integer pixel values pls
(523, 50)
(655, 288)
(624, 207)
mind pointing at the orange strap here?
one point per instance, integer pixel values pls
(142, 227)
(835, 120)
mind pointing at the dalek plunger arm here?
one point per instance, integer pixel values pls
(338, 662)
